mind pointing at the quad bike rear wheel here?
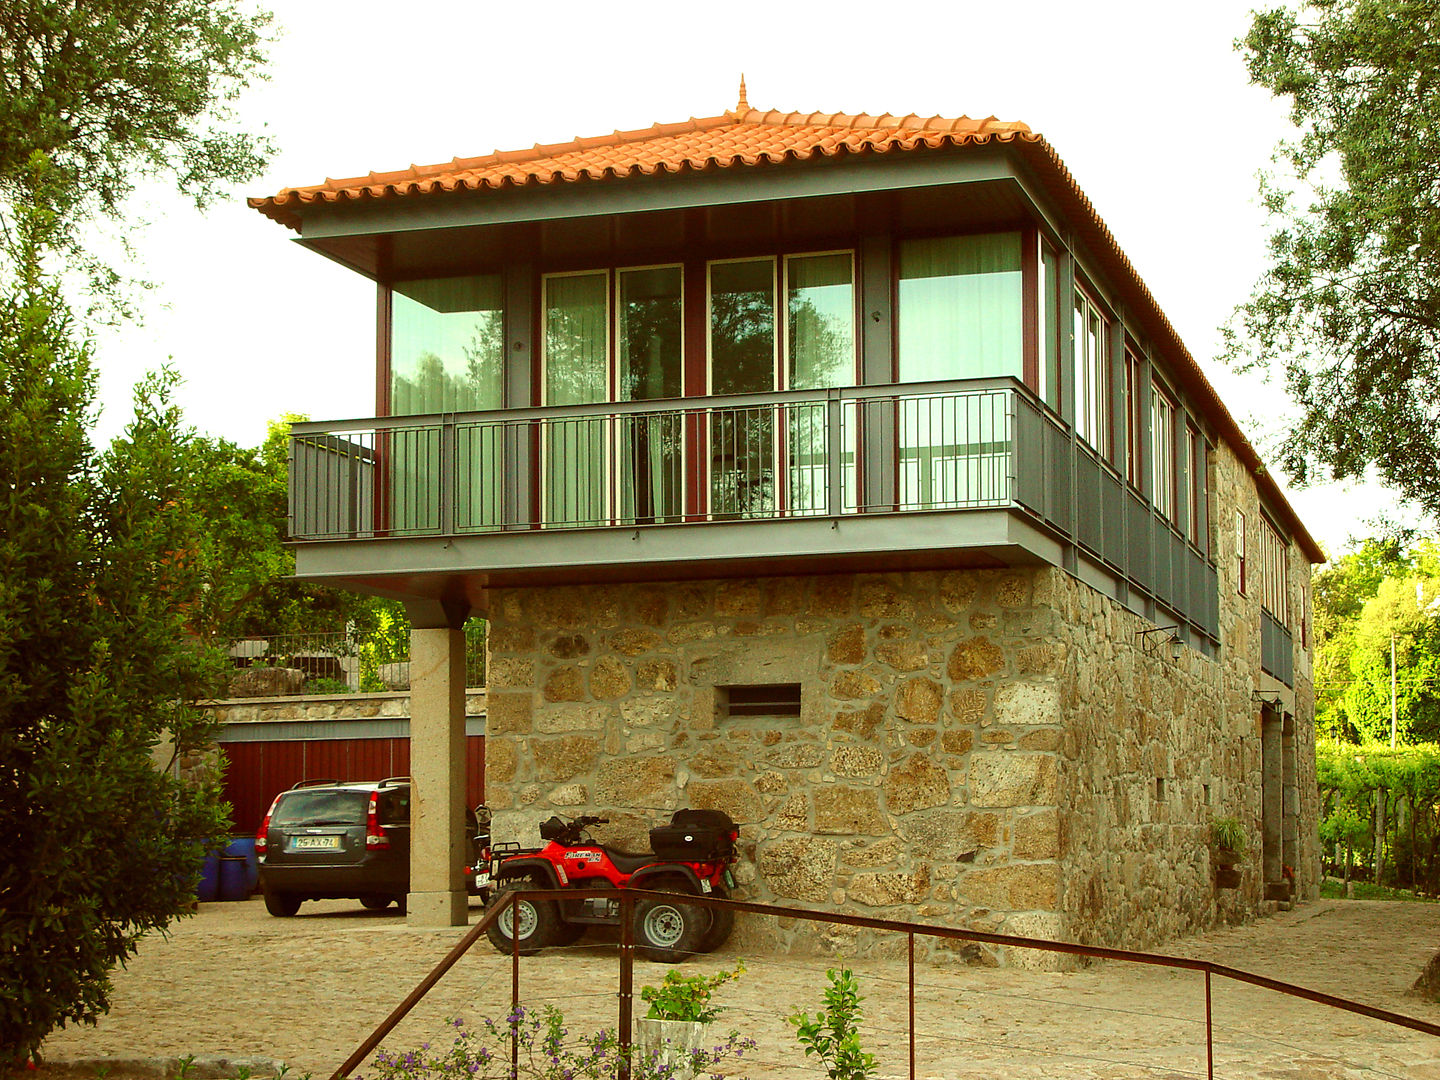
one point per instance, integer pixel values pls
(722, 922)
(669, 931)
(533, 922)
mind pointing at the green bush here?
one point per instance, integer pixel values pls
(687, 997)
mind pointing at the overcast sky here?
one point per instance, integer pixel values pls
(1147, 104)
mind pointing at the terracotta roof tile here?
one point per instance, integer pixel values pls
(716, 142)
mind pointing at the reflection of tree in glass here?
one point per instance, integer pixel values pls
(742, 341)
(650, 367)
(651, 348)
(742, 448)
(428, 384)
(485, 358)
(822, 349)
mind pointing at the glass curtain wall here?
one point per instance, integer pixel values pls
(649, 338)
(446, 356)
(576, 372)
(960, 317)
(820, 352)
(742, 361)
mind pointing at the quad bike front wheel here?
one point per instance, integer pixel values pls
(533, 922)
(669, 931)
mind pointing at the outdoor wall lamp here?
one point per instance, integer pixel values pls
(1152, 646)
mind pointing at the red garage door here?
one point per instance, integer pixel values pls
(255, 772)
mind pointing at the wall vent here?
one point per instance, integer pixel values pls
(774, 699)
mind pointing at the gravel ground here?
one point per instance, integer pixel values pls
(306, 991)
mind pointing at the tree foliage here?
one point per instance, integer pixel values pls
(1349, 308)
(1405, 783)
(109, 92)
(97, 579)
(1383, 590)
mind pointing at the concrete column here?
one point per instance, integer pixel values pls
(437, 767)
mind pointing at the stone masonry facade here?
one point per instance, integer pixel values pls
(990, 749)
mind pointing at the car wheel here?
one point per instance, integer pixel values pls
(532, 922)
(722, 922)
(282, 905)
(669, 931)
(375, 902)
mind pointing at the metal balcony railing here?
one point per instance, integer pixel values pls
(745, 457)
(977, 444)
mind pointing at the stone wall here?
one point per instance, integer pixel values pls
(978, 748)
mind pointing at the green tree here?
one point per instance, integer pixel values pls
(110, 91)
(1349, 309)
(100, 556)
(96, 579)
(1383, 589)
(1403, 611)
(1341, 590)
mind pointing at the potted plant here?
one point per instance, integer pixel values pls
(671, 1035)
(1227, 848)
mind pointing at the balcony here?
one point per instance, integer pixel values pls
(966, 473)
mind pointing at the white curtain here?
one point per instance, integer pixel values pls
(577, 367)
(960, 307)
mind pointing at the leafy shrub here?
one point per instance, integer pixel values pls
(687, 997)
(1227, 834)
(326, 686)
(833, 1035)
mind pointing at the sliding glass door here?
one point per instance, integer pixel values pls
(446, 356)
(759, 343)
(573, 451)
(742, 361)
(649, 340)
(960, 317)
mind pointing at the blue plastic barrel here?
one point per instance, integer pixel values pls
(232, 878)
(209, 886)
(245, 846)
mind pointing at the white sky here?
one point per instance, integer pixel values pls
(1147, 104)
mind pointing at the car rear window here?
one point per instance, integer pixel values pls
(322, 808)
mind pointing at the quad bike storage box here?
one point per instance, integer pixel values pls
(695, 836)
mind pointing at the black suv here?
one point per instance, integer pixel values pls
(328, 840)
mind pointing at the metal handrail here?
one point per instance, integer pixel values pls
(628, 897)
(669, 405)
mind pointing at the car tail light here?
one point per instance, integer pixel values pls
(375, 838)
(262, 838)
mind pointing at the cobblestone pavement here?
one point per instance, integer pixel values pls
(233, 981)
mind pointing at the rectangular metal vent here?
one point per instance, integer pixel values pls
(776, 699)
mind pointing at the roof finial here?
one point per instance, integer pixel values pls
(742, 105)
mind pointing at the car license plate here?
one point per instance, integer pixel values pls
(315, 843)
(482, 879)
(705, 886)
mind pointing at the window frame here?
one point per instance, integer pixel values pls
(1135, 418)
(1092, 374)
(1164, 461)
(1240, 553)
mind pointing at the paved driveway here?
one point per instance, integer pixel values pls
(307, 990)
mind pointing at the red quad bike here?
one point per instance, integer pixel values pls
(692, 856)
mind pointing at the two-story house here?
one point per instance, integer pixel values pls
(836, 471)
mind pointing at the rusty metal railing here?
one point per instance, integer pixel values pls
(629, 897)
